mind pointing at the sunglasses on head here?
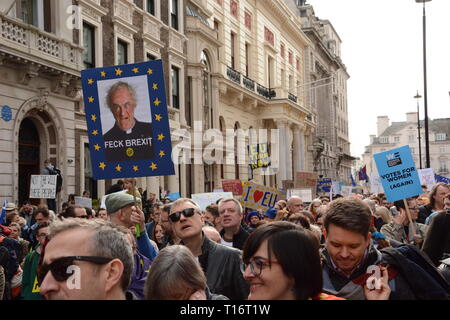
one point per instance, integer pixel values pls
(60, 267)
(188, 212)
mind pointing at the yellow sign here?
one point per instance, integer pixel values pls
(36, 288)
(259, 155)
(256, 196)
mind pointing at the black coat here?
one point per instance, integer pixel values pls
(239, 238)
(221, 265)
(437, 239)
(132, 146)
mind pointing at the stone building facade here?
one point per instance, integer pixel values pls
(396, 134)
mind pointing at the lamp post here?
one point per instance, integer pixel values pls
(425, 92)
(418, 96)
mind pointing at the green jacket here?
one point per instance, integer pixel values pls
(30, 288)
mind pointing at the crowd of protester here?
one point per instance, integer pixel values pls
(136, 247)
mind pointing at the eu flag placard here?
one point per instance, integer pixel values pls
(398, 173)
(127, 120)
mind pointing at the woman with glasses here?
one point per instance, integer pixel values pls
(176, 275)
(281, 262)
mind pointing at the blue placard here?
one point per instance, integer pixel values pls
(398, 174)
(127, 120)
(6, 113)
(324, 184)
(173, 196)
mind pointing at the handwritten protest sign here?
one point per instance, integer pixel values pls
(305, 180)
(234, 186)
(85, 202)
(43, 186)
(127, 120)
(205, 199)
(256, 196)
(259, 155)
(398, 173)
(375, 183)
(304, 194)
(427, 177)
(324, 185)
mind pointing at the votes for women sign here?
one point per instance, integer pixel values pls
(398, 174)
(127, 120)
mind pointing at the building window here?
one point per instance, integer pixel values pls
(89, 46)
(233, 49)
(441, 149)
(248, 20)
(174, 14)
(384, 139)
(411, 138)
(207, 109)
(37, 13)
(297, 63)
(268, 36)
(396, 139)
(290, 57)
(441, 137)
(122, 52)
(151, 7)
(175, 74)
(282, 51)
(150, 57)
(412, 150)
(234, 8)
(247, 59)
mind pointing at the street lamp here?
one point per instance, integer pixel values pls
(425, 93)
(418, 96)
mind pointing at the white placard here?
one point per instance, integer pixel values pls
(205, 199)
(102, 204)
(346, 191)
(336, 187)
(375, 183)
(43, 187)
(304, 194)
(427, 178)
(85, 202)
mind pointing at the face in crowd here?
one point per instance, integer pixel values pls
(440, 195)
(102, 214)
(123, 106)
(346, 247)
(295, 205)
(186, 220)
(229, 214)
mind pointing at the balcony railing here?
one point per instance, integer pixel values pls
(248, 83)
(234, 75)
(292, 97)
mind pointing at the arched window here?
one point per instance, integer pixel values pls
(236, 158)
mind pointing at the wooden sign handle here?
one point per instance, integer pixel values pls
(409, 216)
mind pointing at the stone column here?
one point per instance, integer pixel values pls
(100, 188)
(302, 150)
(283, 153)
(153, 186)
(297, 149)
(289, 150)
(173, 184)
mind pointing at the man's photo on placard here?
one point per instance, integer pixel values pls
(122, 102)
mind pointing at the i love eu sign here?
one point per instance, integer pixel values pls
(398, 173)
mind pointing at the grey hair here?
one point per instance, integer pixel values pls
(116, 86)
(109, 240)
(237, 203)
(180, 201)
(289, 201)
(175, 267)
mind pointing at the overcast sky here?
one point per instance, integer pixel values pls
(382, 49)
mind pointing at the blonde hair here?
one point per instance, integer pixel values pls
(384, 213)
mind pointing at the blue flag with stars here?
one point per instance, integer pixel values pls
(127, 120)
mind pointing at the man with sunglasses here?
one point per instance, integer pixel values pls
(123, 211)
(30, 288)
(86, 260)
(221, 264)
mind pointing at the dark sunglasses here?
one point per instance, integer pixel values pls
(188, 212)
(59, 267)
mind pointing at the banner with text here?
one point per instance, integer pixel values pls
(427, 177)
(324, 185)
(256, 196)
(234, 186)
(259, 155)
(84, 202)
(305, 180)
(43, 186)
(398, 173)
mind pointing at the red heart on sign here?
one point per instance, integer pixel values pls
(257, 195)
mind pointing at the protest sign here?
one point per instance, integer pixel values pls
(324, 185)
(305, 180)
(440, 178)
(336, 187)
(427, 177)
(138, 145)
(398, 173)
(258, 155)
(84, 202)
(375, 183)
(173, 196)
(256, 196)
(43, 186)
(205, 199)
(234, 186)
(346, 191)
(304, 194)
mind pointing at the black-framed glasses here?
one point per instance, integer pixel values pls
(59, 267)
(256, 266)
(175, 216)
